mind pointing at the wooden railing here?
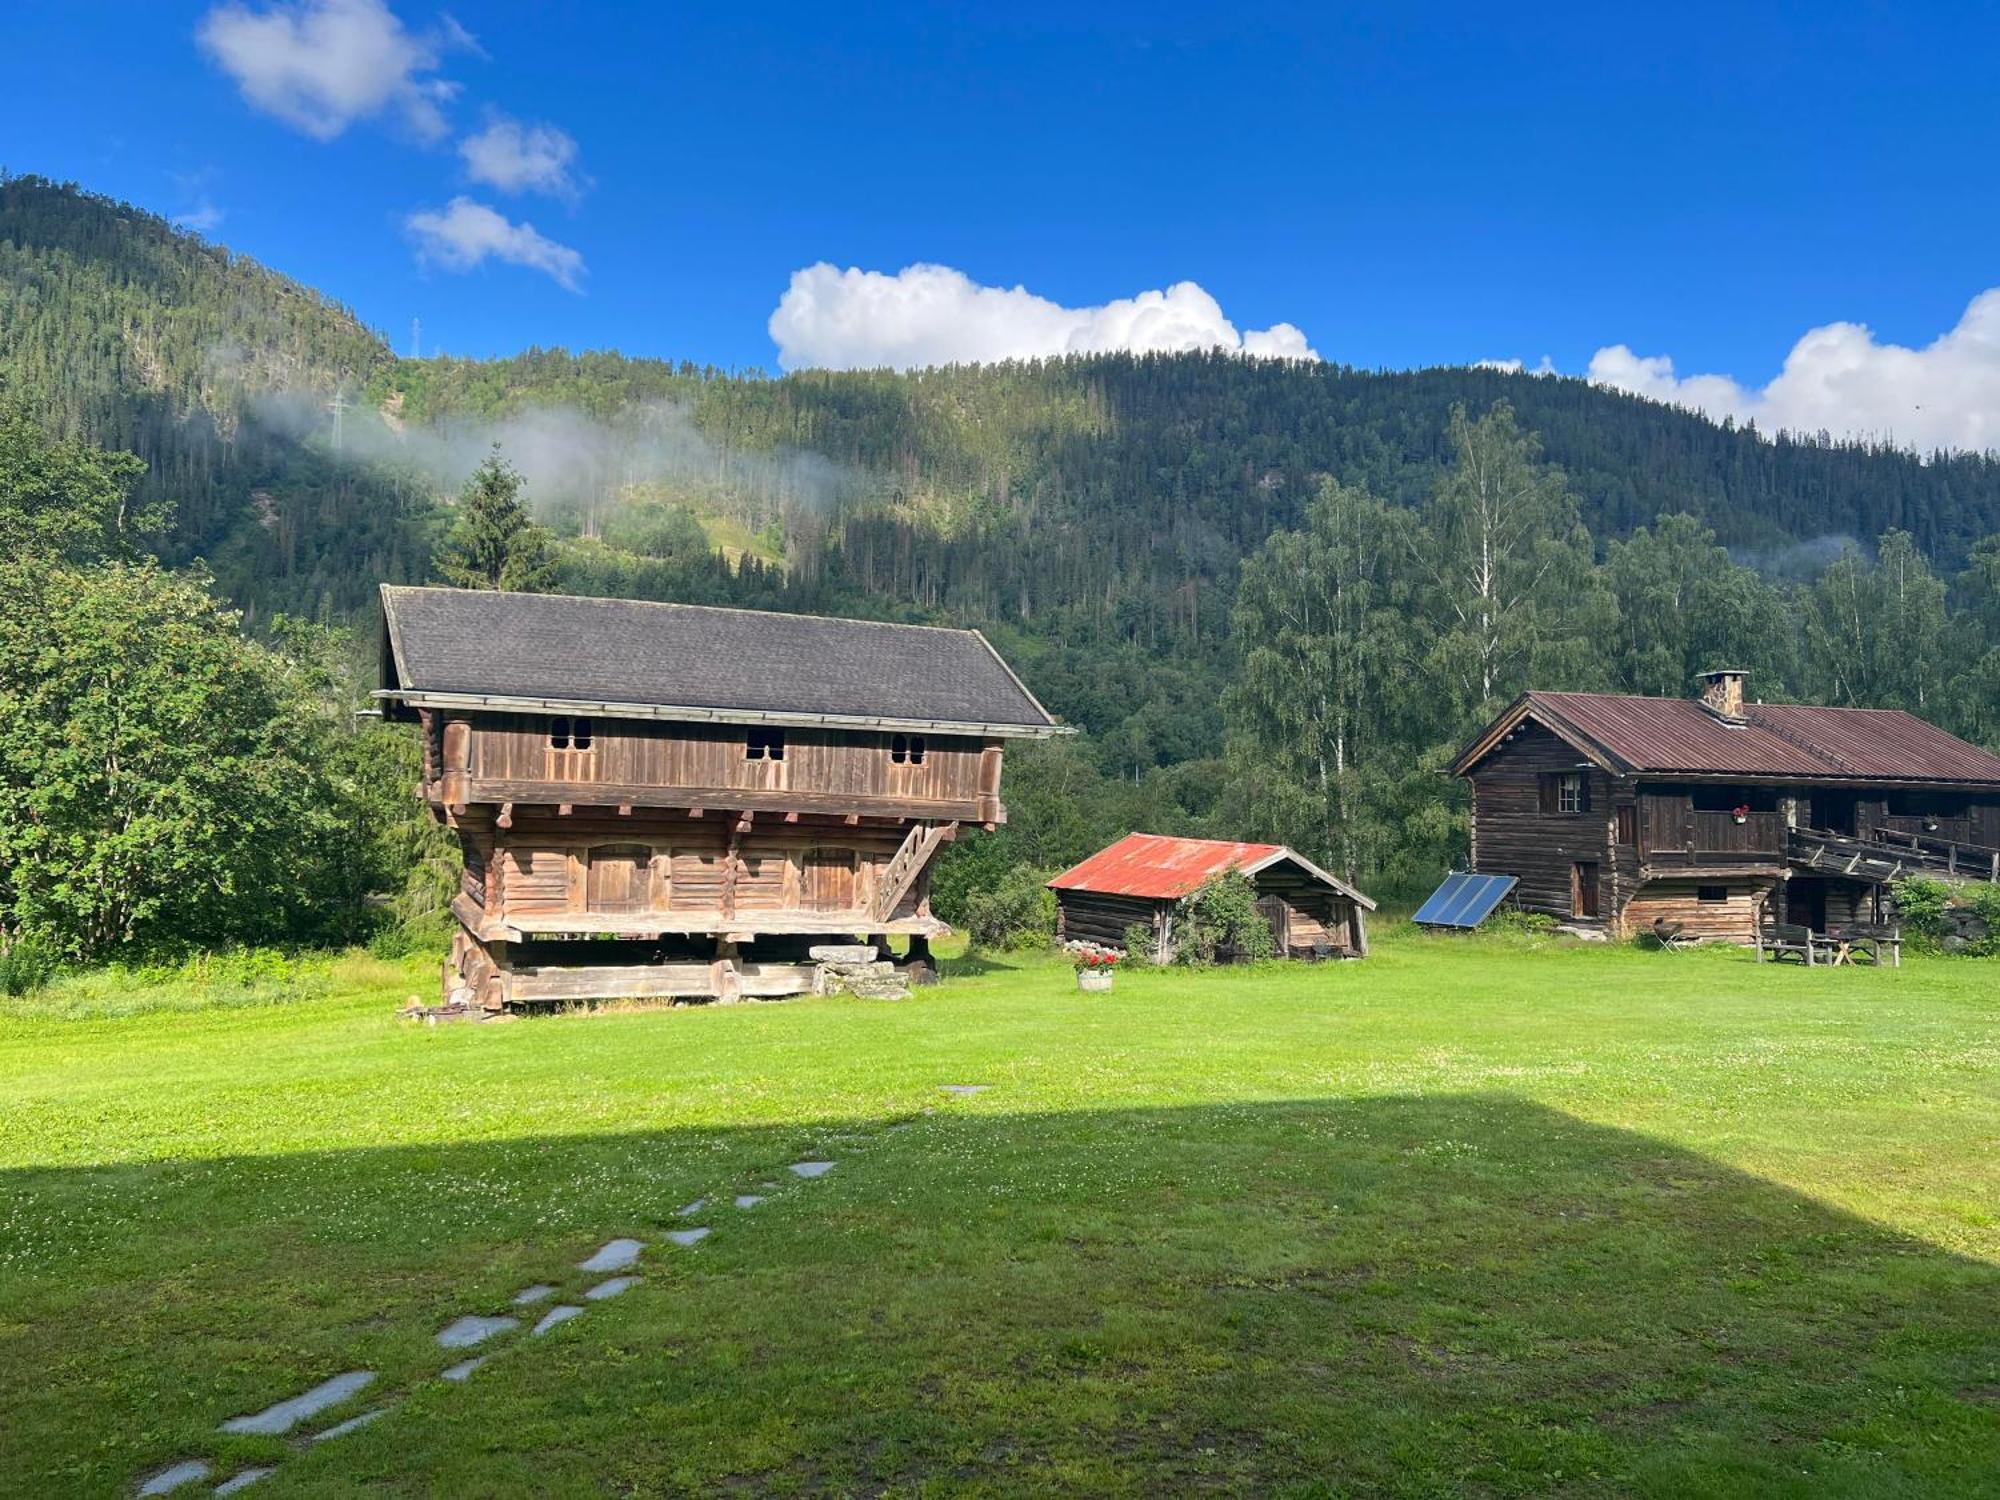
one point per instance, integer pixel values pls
(1718, 835)
(1952, 856)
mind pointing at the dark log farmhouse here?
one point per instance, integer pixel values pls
(1719, 815)
(672, 800)
(1142, 878)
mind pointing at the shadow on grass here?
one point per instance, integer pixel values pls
(972, 965)
(1415, 1296)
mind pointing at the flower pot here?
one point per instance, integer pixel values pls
(1094, 979)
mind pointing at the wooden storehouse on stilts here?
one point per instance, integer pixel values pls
(662, 800)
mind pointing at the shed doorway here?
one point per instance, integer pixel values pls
(1278, 914)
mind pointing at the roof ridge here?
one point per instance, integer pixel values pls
(718, 609)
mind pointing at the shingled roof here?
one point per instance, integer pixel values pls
(636, 659)
(1631, 735)
(1159, 868)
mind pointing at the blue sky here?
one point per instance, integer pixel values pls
(1403, 187)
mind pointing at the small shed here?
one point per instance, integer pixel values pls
(1142, 878)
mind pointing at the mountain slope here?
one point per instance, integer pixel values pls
(1101, 498)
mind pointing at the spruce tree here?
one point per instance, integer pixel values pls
(494, 543)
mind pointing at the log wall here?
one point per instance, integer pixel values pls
(850, 767)
(1733, 919)
(1512, 835)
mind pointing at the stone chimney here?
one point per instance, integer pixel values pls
(1722, 693)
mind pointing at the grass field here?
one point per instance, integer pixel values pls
(1473, 1217)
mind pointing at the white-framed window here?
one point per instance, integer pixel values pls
(1569, 792)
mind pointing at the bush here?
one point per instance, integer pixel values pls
(1139, 943)
(25, 968)
(1221, 918)
(1938, 917)
(1016, 911)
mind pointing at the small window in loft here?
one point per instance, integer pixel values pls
(906, 749)
(1569, 793)
(764, 744)
(559, 734)
(579, 734)
(1711, 895)
(916, 749)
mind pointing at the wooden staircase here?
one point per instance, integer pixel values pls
(1887, 854)
(908, 862)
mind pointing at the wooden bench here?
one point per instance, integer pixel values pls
(1860, 943)
(1779, 941)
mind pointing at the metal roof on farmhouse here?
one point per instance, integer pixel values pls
(628, 658)
(1158, 868)
(1630, 735)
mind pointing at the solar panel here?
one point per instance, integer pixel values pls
(1464, 900)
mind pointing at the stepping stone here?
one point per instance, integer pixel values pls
(749, 1200)
(540, 1291)
(615, 1255)
(352, 1424)
(691, 1209)
(188, 1471)
(286, 1415)
(965, 1090)
(688, 1236)
(607, 1289)
(812, 1168)
(464, 1368)
(556, 1315)
(244, 1480)
(470, 1330)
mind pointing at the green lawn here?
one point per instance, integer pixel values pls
(1473, 1217)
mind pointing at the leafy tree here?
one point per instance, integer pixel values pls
(493, 542)
(66, 499)
(1218, 916)
(1878, 633)
(162, 780)
(1511, 595)
(1685, 607)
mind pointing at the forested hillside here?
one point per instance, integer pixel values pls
(1142, 536)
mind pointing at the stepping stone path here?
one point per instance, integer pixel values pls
(286, 1415)
(352, 1424)
(615, 1255)
(470, 1330)
(556, 1316)
(965, 1090)
(466, 1332)
(168, 1480)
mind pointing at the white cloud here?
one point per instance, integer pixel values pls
(1516, 367)
(1839, 379)
(320, 65)
(519, 158)
(934, 315)
(203, 218)
(465, 234)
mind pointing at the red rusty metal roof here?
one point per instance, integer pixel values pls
(1665, 735)
(1158, 868)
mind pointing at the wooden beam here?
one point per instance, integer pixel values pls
(564, 809)
(624, 809)
(694, 799)
(506, 818)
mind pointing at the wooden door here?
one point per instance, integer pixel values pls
(828, 880)
(1583, 888)
(618, 879)
(1277, 914)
